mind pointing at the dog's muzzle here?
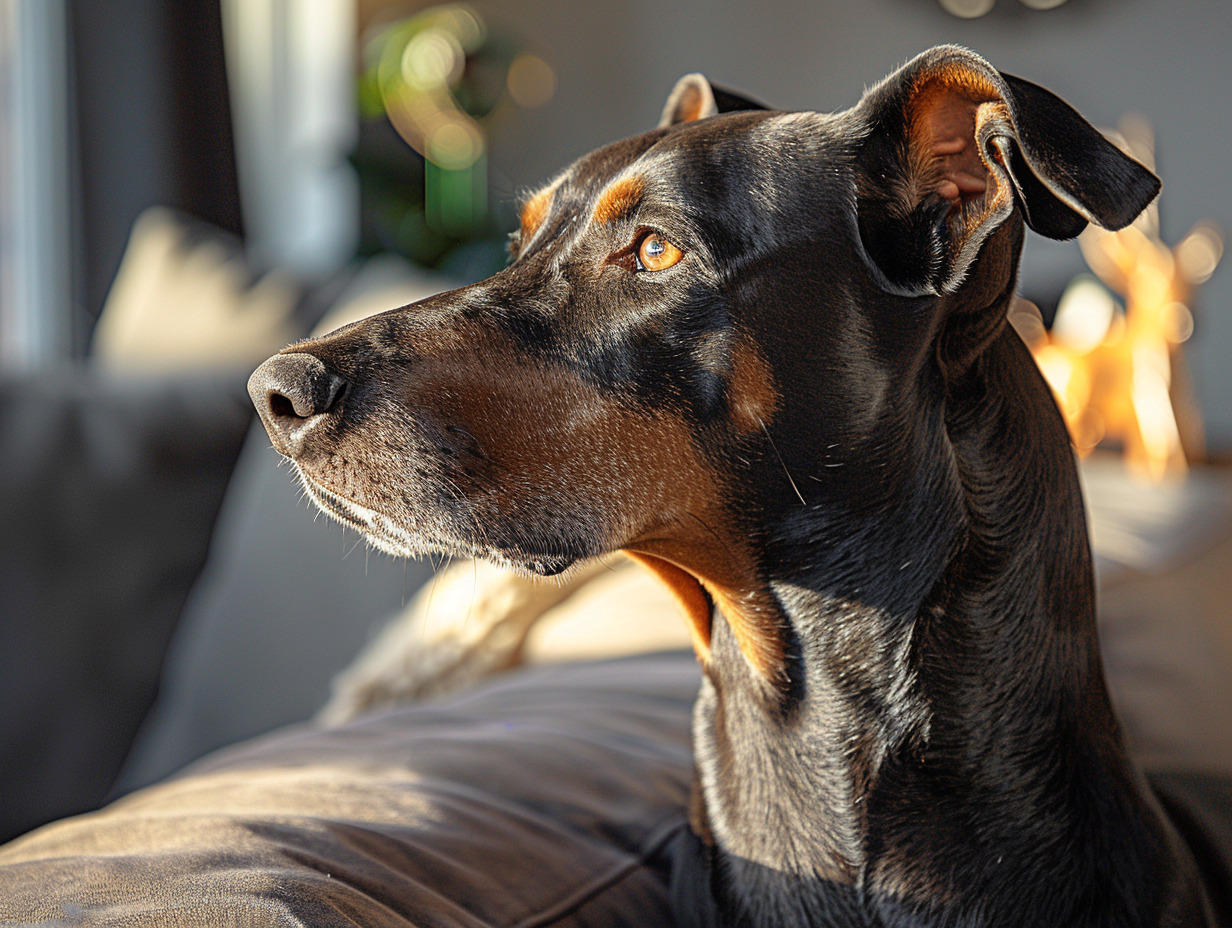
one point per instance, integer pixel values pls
(292, 392)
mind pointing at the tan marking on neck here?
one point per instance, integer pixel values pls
(758, 626)
(689, 594)
(715, 576)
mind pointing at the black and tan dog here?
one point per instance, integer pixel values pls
(767, 354)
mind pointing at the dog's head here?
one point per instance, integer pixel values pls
(724, 336)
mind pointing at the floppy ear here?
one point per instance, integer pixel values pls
(694, 97)
(953, 146)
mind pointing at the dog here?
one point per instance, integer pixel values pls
(766, 354)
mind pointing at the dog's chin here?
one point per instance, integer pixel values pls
(519, 562)
(388, 535)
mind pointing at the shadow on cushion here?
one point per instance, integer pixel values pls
(541, 798)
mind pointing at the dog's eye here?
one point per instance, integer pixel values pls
(655, 253)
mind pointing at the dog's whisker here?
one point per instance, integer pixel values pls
(799, 495)
(427, 610)
(351, 549)
(470, 604)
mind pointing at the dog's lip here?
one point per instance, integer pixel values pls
(344, 510)
(396, 540)
(377, 528)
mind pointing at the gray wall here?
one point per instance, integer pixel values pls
(1171, 61)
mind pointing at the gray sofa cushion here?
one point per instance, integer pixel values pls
(109, 492)
(543, 798)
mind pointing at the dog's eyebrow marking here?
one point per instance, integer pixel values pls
(535, 210)
(619, 199)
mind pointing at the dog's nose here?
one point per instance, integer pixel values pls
(290, 392)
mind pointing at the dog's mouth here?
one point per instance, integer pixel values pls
(379, 529)
(393, 538)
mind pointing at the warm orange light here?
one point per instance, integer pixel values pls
(1119, 374)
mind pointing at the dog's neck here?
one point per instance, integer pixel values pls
(945, 722)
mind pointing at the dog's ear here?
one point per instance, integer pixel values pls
(953, 145)
(694, 97)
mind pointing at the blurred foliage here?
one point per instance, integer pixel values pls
(433, 86)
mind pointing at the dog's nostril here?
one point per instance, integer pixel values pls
(281, 407)
(305, 400)
(290, 389)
